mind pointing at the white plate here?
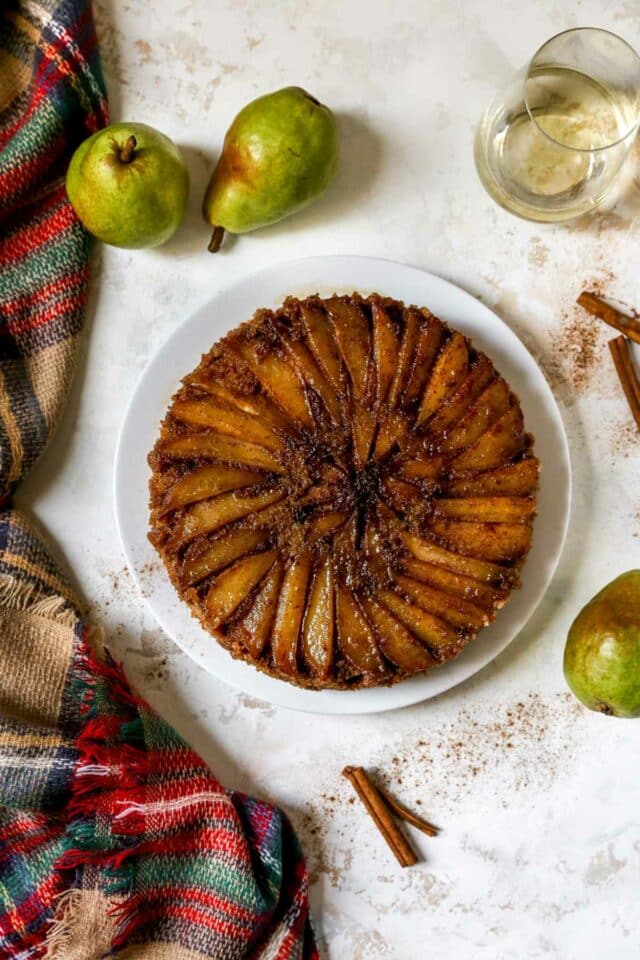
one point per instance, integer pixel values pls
(326, 275)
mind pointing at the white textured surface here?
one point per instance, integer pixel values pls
(539, 800)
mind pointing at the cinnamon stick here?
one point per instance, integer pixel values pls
(619, 348)
(604, 311)
(381, 815)
(405, 814)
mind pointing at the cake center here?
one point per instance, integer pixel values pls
(365, 484)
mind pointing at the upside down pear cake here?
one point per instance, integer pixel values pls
(343, 491)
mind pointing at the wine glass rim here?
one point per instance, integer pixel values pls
(546, 43)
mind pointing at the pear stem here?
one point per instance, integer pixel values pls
(126, 153)
(216, 239)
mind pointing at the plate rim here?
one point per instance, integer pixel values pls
(259, 684)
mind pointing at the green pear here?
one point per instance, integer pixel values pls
(279, 154)
(602, 655)
(129, 185)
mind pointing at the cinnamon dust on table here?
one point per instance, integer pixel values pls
(579, 348)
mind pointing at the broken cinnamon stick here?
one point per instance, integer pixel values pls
(619, 348)
(405, 814)
(604, 311)
(381, 815)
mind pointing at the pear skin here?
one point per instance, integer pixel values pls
(279, 154)
(602, 655)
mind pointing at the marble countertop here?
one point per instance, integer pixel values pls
(539, 800)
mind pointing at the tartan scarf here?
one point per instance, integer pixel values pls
(115, 838)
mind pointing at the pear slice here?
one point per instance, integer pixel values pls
(363, 426)
(214, 446)
(322, 524)
(481, 570)
(421, 469)
(219, 553)
(502, 542)
(503, 441)
(403, 496)
(515, 479)
(352, 333)
(492, 404)
(385, 350)
(391, 433)
(254, 629)
(206, 482)
(314, 377)
(210, 515)
(254, 403)
(448, 372)
(291, 604)
(278, 378)
(319, 621)
(482, 594)
(429, 341)
(438, 636)
(226, 420)
(487, 509)
(235, 583)
(405, 357)
(322, 343)
(480, 375)
(357, 640)
(458, 612)
(397, 643)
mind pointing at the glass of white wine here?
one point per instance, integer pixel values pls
(550, 146)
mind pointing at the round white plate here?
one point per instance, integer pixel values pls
(326, 275)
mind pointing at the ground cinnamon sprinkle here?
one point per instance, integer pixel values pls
(580, 347)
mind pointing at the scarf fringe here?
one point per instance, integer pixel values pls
(27, 598)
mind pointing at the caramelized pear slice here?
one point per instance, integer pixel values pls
(321, 524)
(254, 403)
(322, 343)
(318, 627)
(291, 604)
(515, 479)
(503, 441)
(480, 375)
(456, 584)
(481, 570)
(502, 542)
(206, 482)
(352, 333)
(210, 515)
(428, 343)
(214, 446)
(492, 404)
(277, 377)
(391, 433)
(219, 553)
(363, 426)
(314, 377)
(397, 643)
(357, 640)
(448, 372)
(404, 497)
(439, 637)
(254, 629)
(487, 509)
(226, 420)
(421, 469)
(405, 357)
(235, 583)
(459, 613)
(385, 350)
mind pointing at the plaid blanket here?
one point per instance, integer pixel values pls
(115, 838)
